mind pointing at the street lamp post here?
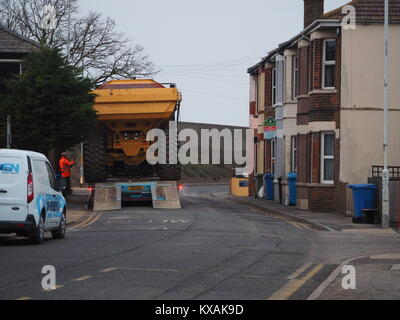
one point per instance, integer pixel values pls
(385, 172)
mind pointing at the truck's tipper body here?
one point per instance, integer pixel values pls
(127, 110)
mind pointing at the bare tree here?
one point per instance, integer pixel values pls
(96, 46)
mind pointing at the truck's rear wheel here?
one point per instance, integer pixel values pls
(170, 171)
(94, 152)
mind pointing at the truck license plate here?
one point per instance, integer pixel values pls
(136, 188)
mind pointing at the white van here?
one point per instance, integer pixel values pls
(30, 200)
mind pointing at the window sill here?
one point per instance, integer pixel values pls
(327, 90)
(315, 185)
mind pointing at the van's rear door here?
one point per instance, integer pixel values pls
(13, 188)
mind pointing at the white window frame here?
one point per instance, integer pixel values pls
(273, 86)
(293, 152)
(327, 63)
(325, 157)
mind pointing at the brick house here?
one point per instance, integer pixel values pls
(13, 48)
(330, 116)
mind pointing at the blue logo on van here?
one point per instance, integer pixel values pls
(9, 168)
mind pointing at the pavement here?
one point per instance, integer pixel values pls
(214, 248)
(376, 276)
(321, 220)
(78, 206)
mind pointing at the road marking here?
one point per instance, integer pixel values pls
(83, 278)
(152, 270)
(299, 271)
(85, 221)
(304, 225)
(385, 256)
(395, 267)
(49, 290)
(108, 269)
(23, 298)
(295, 284)
(93, 219)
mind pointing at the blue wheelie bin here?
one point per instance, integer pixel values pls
(269, 186)
(292, 177)
(363, 199)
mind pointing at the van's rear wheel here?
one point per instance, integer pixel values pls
(38, 237)
(94, 151)
(59, 233)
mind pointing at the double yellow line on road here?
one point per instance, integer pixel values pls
(295, 284)
(89, 221)
(298, 225)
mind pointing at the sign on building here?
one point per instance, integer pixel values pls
(269, 128)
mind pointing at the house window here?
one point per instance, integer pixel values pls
(327, 157)
(295, 74)
(293, 153)
(273, 156)
(329, 64)
(273, 86)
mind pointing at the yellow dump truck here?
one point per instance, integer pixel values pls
(127, 110)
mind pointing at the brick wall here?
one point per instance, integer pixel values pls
(303, 108)
(268, 87)
(268, 164)
(252, 108)
(313, 9)
(303, 158)
(303, 70)
(316, 157)
(322, 199)
(317, 64)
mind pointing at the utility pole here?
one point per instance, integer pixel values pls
(8, 132)
(385, 172)
(68, 59)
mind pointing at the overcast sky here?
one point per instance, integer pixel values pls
(206, 46)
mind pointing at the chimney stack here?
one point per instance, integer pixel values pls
(313, 10)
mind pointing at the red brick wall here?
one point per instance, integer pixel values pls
(316, 157)
(303, 108)
(322, 199)
(317, 64)
(303, 158)
(267, 155)
(268, 87)
(303, 70)
(252, 108)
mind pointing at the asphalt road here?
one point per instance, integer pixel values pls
(211, 249)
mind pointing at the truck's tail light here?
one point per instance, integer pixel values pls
(30, 193)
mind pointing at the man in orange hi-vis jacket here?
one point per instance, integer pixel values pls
(65, 167)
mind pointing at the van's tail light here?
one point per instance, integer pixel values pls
(30, 194)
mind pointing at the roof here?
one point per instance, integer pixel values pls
(11, 41)
(15, 152)
(368, 11)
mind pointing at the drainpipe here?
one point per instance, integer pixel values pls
(385, 172)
